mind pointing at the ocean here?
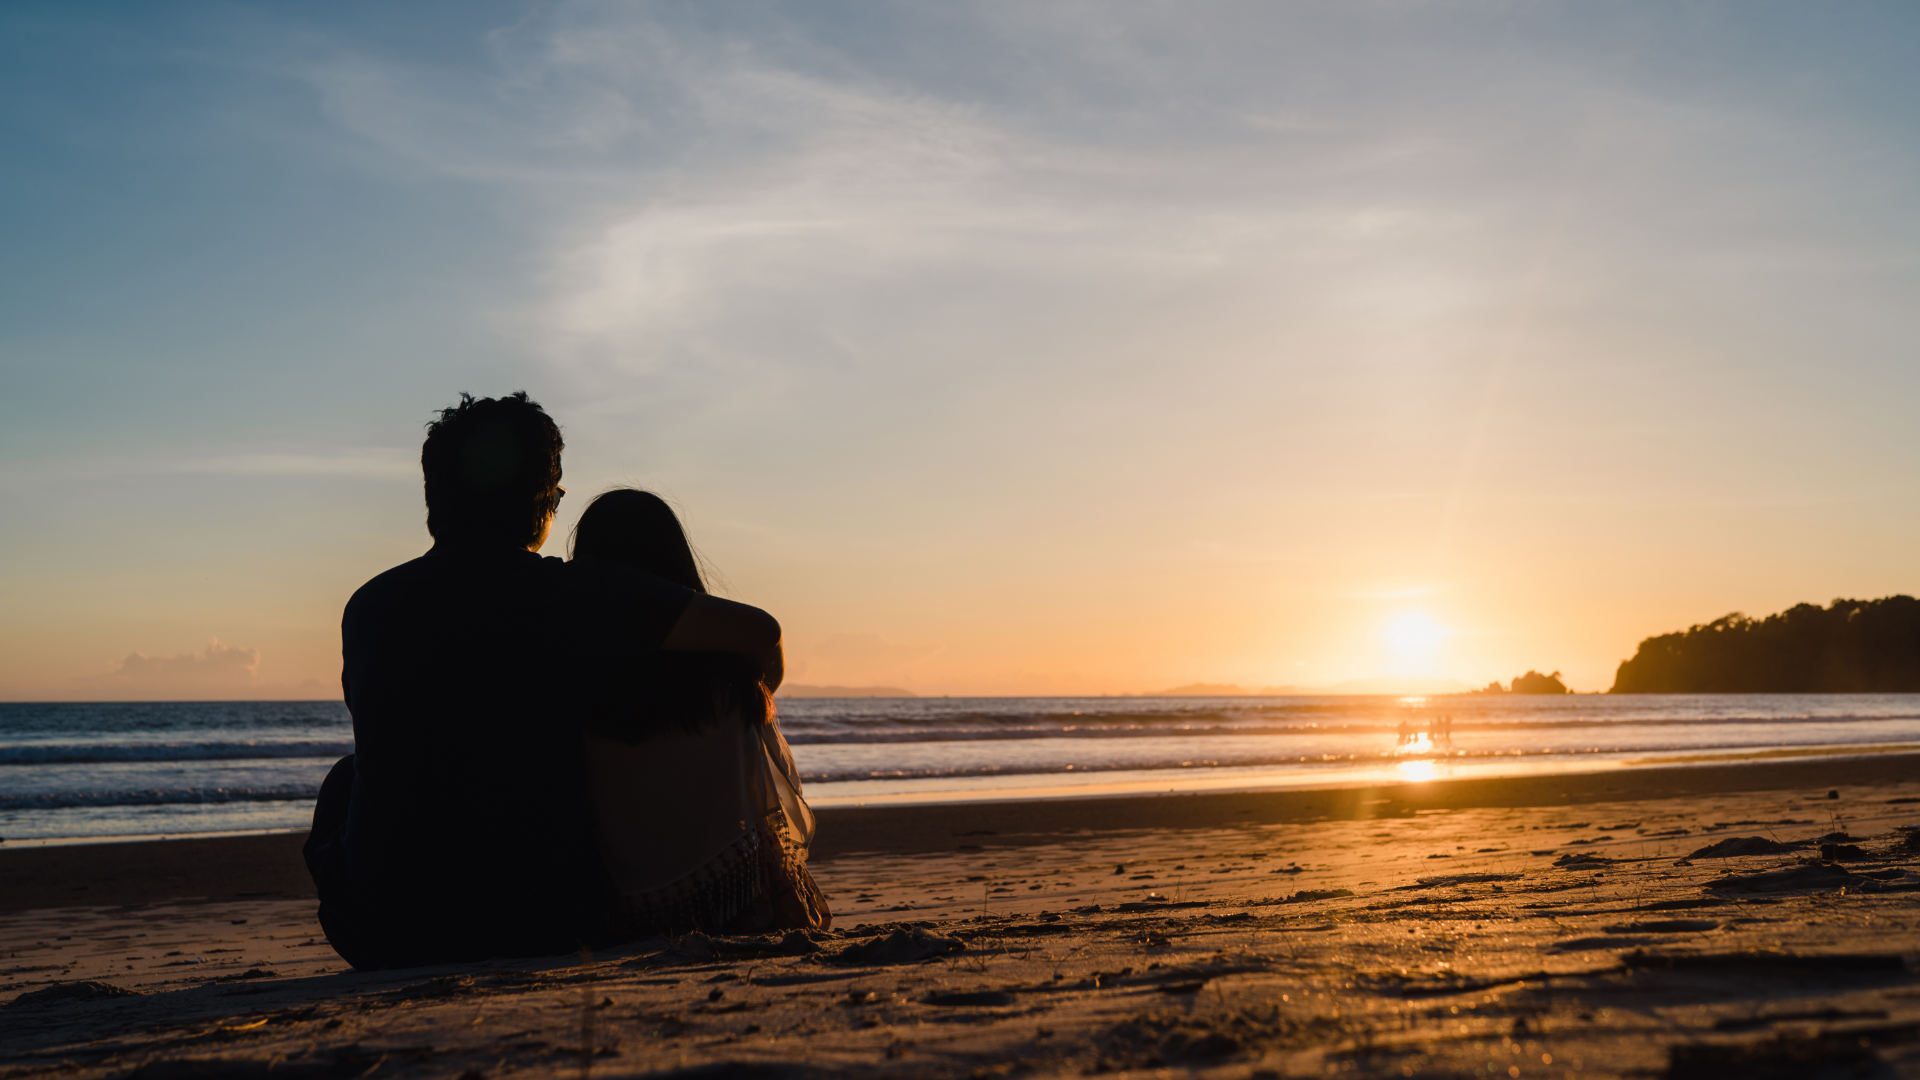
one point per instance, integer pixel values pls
(89, 771)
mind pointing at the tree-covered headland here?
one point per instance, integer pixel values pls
(1850, 647)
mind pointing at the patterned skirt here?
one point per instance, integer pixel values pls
(759, 882)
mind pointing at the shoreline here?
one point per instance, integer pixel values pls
(1233, 780)
(1595, 933)
(268, 865)
(1189, 783)
(30, 843)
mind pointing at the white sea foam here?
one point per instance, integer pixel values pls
(55, 800)
(109, 769)
(84, 753)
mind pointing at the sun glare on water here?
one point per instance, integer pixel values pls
(1416, 770)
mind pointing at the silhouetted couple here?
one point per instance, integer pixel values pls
(552, 754)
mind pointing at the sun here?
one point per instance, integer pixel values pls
(1413, 637)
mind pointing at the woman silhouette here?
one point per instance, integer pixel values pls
(697, 802)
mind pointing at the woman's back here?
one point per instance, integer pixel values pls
(704, 830)
(700, 820)
(671, 804)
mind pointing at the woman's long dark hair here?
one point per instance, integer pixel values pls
(691, 689)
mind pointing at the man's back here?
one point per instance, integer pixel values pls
(466, 672)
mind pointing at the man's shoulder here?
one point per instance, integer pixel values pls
(384, 583)
(438, 573)
(587, 590)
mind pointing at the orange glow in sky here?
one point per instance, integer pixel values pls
(995, 349)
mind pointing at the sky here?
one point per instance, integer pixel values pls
(996, 348)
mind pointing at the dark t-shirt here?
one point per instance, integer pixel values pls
(469, 672)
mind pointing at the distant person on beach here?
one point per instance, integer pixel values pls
(701, 820)
(461, 827)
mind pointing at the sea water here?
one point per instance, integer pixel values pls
(89, 771)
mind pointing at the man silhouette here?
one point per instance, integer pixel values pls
(459, 828)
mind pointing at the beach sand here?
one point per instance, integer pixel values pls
(1540, 927)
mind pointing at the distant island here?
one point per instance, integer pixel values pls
(1850, 647)
(1394, 685)
(1531, 683)
(802, 690)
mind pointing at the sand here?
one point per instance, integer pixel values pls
(1503, 928)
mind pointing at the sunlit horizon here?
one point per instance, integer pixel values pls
(993, 352)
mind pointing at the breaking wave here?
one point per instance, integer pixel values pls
(61, 800)
(89, 753)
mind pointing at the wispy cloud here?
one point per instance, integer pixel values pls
(751, 211)
(746, 223)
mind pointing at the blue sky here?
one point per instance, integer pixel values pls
(995, 347)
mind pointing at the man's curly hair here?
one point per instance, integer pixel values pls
(493, 470)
